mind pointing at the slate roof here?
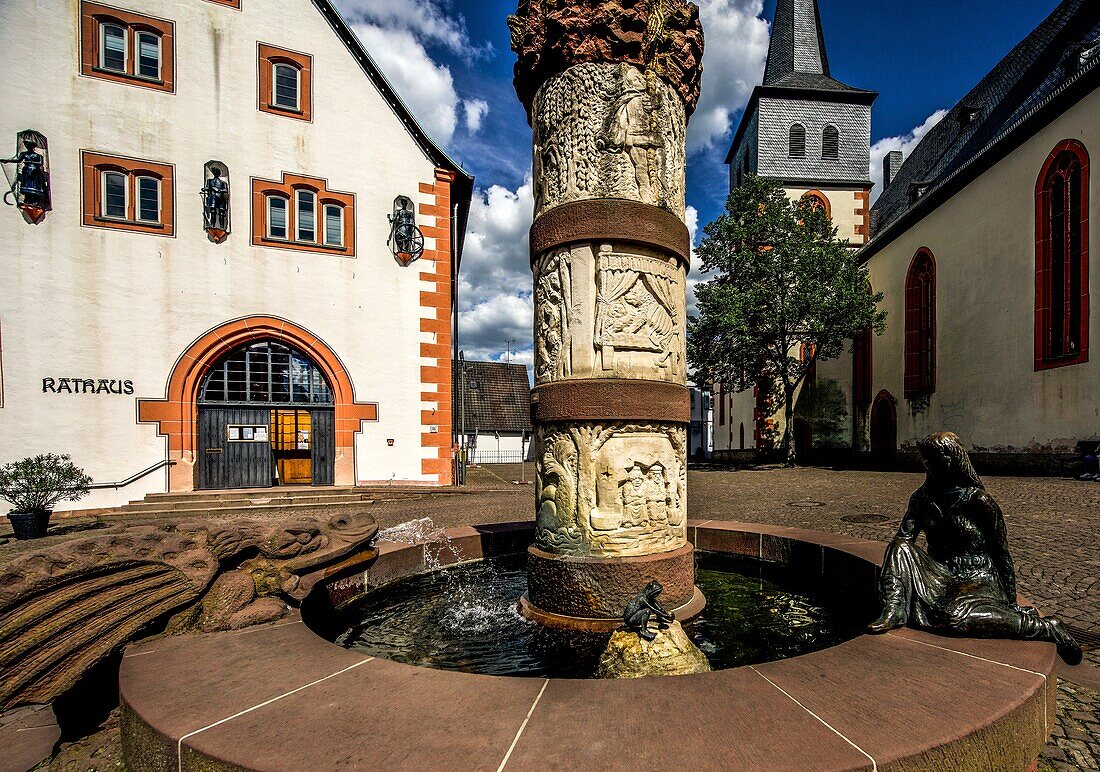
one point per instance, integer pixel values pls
(797, 66)
(497, 398)
(1022, 93)
(797, 57)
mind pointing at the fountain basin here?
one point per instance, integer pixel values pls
(281, 697)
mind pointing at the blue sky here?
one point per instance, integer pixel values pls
(450, 61)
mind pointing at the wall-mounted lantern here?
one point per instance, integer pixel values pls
(28, 174)
(215, 201)
(406, 240)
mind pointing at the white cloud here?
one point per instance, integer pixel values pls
(398, 34)
(906, 144)
(430, 21)
(426, 87)
(474, 111)
(695, 276)
(495, 281)
(733, 63)
(495, 259)
(497, 325)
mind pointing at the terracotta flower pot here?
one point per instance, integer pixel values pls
(30, 525)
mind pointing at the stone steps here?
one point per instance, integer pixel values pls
(233, 509)
(182, 505)
(260, 501)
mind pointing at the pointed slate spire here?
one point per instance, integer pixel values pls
(797, 44)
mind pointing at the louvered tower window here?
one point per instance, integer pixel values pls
(798, 141)
(830, 143)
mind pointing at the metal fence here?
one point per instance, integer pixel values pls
(479, 456)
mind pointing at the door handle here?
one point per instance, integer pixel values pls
(214, 450)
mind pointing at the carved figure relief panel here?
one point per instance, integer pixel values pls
(603, 311)
(614, 490)
(640, 316)
(609, 131)
(554, 313)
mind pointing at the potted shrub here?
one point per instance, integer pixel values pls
(34, 486)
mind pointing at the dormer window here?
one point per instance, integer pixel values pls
(797, 142)
(968, 114)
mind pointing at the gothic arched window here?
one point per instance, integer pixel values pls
(920, 326)
(830, 143)
(798, 141)
(1062, 258)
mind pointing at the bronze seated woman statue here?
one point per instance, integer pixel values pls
(965, 584)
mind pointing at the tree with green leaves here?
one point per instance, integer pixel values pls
(782, 284)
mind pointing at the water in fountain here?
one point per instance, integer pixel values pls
(463, 617)
(466, 608)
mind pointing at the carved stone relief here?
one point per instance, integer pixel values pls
(640, 308)
(554, 314)
(609, 131)
(614, 490)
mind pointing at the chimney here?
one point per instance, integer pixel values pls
(891, 165)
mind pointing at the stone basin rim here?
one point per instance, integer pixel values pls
(181, 729)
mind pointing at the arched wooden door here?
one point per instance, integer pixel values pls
(265, 417)
(884, 426)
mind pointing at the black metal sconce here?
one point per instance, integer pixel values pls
(406, 240)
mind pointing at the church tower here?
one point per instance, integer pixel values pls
(806, 129)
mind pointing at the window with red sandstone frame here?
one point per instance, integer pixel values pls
(1062, 258)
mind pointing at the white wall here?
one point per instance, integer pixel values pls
(983, 239)
(94, 303)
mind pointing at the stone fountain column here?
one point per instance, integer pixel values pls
(608, 86)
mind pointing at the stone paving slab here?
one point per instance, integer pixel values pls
(27, 736)
(729, 720)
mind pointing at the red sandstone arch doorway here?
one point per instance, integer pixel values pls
(884, 426)
(265, 418)
(176, 415)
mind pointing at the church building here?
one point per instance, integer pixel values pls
(812, 133)
(228, 251)
(980, 243)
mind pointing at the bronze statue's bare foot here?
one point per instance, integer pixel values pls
(891, 619)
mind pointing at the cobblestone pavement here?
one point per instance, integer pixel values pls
(1052, 523)
(1075, 739)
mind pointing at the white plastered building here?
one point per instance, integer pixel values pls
(298, 348)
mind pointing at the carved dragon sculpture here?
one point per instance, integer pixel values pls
(65, 608)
